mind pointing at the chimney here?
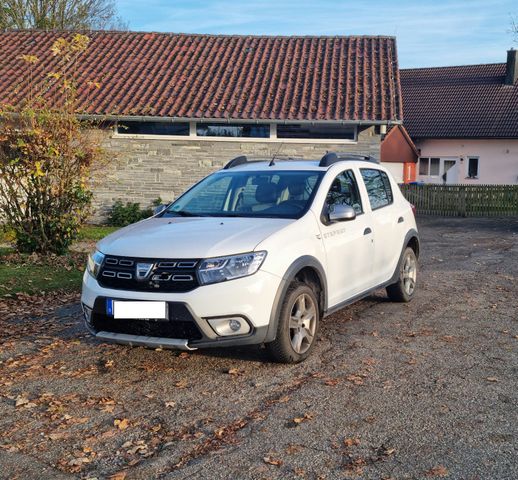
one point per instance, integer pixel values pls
(511, 71)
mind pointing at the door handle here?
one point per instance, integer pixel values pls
(367, 231)
(400, 220)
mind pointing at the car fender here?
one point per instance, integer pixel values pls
(412, 233)
(287, 279)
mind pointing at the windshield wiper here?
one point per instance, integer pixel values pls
(184, 213)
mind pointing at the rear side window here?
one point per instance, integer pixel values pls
(378, 187)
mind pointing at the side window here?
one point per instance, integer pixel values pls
(378, 187)
(344, 191)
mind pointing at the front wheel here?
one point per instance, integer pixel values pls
(404, 289)
(298, 325)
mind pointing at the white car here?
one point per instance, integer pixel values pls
(256, 253)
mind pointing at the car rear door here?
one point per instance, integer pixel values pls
(348, 244)
(384, 219)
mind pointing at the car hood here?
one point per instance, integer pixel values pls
(197, 237)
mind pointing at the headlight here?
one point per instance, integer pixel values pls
(220, 269)
(94, 262)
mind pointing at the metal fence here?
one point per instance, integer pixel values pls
(463, 200)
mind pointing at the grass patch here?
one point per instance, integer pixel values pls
(95, 232)
(32, 274)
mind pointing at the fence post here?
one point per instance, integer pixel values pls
(462, 201)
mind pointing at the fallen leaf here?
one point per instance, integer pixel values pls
(292, 448)
(20, 401)
(181, 384)
(272, 461)
(77, 462)
(438, 471)
(233, 371)
(109, 363)
(351, 442)
(170, 404)
(299, 420)
(119, 475)
(121, 424)
(331, 382)
(356, 379)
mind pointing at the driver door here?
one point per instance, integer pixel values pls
(349, 244)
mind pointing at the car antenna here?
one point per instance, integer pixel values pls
(272, 163)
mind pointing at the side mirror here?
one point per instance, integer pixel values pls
(159, 209)
(341, 213)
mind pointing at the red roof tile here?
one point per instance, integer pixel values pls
(460, 102)
(230, 77)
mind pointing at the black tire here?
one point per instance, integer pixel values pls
(404, 289)
(282, 349)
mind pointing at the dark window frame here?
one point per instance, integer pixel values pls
(185, 126)
(477, 167)
(244, 125)
(315, 126)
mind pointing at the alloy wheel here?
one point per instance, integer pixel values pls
(303, 323)
(409, 273)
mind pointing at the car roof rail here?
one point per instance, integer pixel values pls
(235, 162)
(333, 157)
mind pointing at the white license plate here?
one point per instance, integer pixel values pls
(139, 310)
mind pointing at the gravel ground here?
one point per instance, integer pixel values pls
(392, 391)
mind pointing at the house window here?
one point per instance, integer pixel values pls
(378, 187)
(429, 167)
(424, 165)
(153, 128)
(233, 130)
(473, 167)
(318, 131)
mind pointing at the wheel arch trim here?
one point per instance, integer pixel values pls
(411, 234)
(306, 261)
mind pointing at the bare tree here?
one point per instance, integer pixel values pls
(60, 15)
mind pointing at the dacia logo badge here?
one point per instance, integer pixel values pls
(143, 270)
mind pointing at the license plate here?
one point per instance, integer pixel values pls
(133, 310)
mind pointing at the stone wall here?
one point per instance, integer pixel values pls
(140, 170)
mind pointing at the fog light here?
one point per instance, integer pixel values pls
(234, 325)
(229, 326)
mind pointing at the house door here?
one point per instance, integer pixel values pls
(450, 174)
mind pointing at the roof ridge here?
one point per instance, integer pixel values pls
(452, 66)
(218, 35)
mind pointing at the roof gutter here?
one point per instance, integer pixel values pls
(148, 118)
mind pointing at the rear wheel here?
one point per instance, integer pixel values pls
(298, 324)
(404, 289)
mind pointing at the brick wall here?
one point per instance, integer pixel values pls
(141, 170)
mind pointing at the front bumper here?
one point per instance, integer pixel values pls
(250, 298)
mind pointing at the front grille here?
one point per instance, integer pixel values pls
(180, 324)
(163, 329)
(148, 275)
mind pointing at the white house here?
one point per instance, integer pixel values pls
(464, 122)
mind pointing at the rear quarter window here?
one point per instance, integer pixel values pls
(378, 187)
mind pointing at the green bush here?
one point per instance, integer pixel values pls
(124, 214)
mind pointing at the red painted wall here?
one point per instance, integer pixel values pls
(397, 147)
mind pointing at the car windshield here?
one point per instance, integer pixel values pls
(278, 194)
